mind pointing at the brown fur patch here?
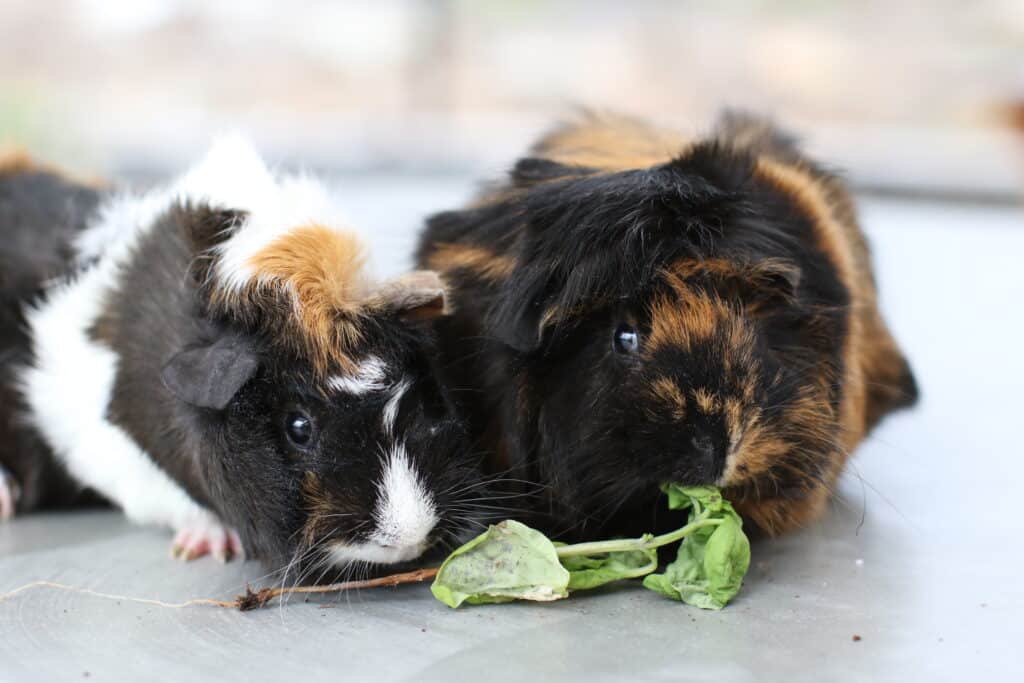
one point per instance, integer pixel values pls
(758, 450)
(611, 142)
(776, 515)
(323, 271)
(484, 263)
(763, 457)
(719, 268)
(683, 320)
(756, 280)
(666, 390)
(16, 160)
(706, 402)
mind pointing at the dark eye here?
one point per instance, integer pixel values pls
(626, 339)
(299, 428)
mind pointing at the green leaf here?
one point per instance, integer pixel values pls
(712, 561)
(587, 572)
(509, 561)
(700, 497)
(726, 560)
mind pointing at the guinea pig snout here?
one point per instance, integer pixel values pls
(703, 446)
(704, 449)
(403, 516)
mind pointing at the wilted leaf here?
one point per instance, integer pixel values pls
(712, 561)
(509, 561)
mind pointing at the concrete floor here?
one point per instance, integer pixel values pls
(920, 555)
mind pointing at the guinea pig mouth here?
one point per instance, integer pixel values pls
(342, 554)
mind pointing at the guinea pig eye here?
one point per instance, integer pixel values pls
(299, 429)
(626, 339)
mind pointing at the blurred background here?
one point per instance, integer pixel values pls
(917, 97)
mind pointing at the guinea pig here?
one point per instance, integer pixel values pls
(218, 359)
(37, 246)
(634, 307)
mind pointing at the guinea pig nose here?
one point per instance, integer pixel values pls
(704, 445)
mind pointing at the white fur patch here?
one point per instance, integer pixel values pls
(68, 388)
(405, 515)
(405, 512)
(232, 176)
(371, 375)
(390, 412)
(342, 554)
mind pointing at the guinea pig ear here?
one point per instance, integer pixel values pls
(419, 295)
(516, 320)
(207, 226)
(210, 375)
(204, 227)
(774, 280)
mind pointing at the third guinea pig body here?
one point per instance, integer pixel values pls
(634, 307)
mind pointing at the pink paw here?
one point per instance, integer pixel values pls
(9, 494)
(206, 537)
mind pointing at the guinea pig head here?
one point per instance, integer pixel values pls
(661, 327)
(325, 436)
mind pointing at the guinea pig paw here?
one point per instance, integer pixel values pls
(10, 492)
(206, 537)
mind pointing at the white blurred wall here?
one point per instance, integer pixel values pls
(909, 93)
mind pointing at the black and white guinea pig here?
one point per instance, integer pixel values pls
(218, 359)
(633, 306)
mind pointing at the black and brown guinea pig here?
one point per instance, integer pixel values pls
(217, 358)
(634, 307)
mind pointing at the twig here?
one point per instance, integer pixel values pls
(256, 599)
(250, 600)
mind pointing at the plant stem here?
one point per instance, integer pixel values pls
(256, 599)
(642, 571)
(627, 544)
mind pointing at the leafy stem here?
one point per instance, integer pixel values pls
(628, 544)
(511, 561)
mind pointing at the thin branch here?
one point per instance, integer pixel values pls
(250, 600)
(254, 600)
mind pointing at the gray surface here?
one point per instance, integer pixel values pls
(920, 555)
